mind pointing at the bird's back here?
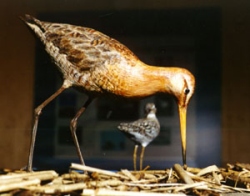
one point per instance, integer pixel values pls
(142, 131)
(86, 57)
(84, 47)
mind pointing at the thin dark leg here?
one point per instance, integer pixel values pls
(73, 126)
(135, 156)
(38, 112)
(141, 157)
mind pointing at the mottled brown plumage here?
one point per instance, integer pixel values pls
(142, 131)
(100, 65)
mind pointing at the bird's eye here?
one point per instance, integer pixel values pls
(186, 91)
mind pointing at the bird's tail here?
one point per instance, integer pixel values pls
(35, 25)
(124, 127)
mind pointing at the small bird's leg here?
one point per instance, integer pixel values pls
(134, 156)
(73, 126)
(38, 112)
(141, 156)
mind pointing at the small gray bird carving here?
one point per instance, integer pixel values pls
(142, 131)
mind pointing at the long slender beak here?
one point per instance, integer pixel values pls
(183, 117)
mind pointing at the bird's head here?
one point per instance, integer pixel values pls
(150, 108)
(181, 84)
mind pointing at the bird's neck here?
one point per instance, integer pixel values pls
(151, 80)
(151, 115)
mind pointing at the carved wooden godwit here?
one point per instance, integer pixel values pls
(100, 65)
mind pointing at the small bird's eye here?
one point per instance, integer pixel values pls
(186, 91)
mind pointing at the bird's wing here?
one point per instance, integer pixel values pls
(84, 47)
(143, 126)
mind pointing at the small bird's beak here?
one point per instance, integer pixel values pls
(183, 117)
